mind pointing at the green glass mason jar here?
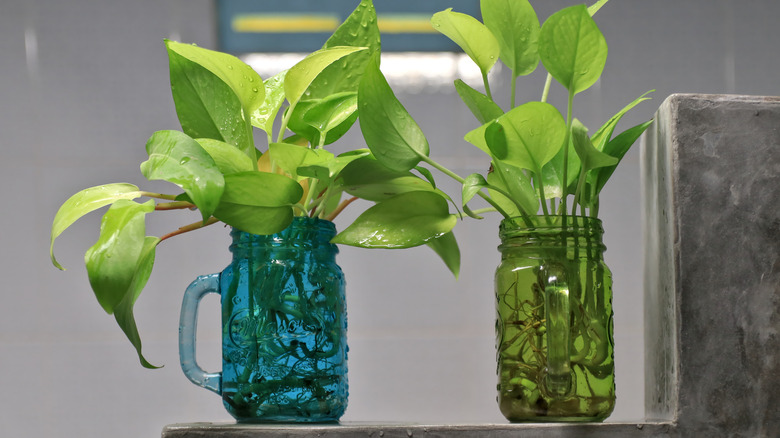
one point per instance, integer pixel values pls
(554, 320)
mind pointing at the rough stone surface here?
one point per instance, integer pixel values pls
(711, 171)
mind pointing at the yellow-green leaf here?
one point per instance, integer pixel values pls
(473, 37)
(516, 27)
(178, 159)
(301, 75)
(407, 220)
(258, 202)
(389, 130)
(446, 247)
(572, 48)
(86, 201)
(241, 78)
(113, 260)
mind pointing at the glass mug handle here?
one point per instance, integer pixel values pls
(557, 313)
(188, 322)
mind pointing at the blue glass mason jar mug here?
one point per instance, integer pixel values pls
(284, 350)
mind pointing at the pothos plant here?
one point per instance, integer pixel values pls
(223, 174)
(539, 157)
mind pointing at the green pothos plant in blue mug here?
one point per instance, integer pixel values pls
(271, 195)
(552, 289)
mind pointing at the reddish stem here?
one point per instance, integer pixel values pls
(190, 227)
(341, 207)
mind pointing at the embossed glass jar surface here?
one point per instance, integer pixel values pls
(283, 327)
(554, 321)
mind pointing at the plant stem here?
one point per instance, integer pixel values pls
(179, 205)
(313, 183)
(487, 85)
(580, 182)
(457, 178)
(546, 90)
(320, 209)
(340, 208)
(538, 183)
(483, 210)
(248, 129)
(190, 227)
(300, 208)
(520, 208)
(158, 196)
(442, 169)
(565, 184)
(514, 90)
(285, 121)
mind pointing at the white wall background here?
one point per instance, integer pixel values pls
(83, 83)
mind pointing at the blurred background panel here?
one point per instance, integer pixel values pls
(84, 83)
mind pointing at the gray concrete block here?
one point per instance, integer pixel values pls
(711, 175)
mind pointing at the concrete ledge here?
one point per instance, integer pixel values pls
(375, 430)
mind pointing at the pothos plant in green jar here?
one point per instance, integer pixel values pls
(283, 305)
(553, 291)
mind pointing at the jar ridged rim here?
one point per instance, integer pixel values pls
(549, 231)
(313, 232)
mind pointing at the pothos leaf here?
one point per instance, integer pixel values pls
(258, 202)
(604, 134)
(407, 220)
(290, 157)
(427, 174)
(331, 111)
(332, 116)
(534, 133)
(516, 27)
(331, 169)
(572, 48)
(86, 201)
(263, 117)
(358, 30)
(617, 147)
(472, 184)
(513, 181)
(301, 75)
(227, 158)
(391, 134)
(477, 138)
(112, 262)
(590, 157)
(245, 82)
(483, 108)
(120, 262)
(123, 313)
(178, 159)
(470, 35)
(495, 138)
(366, 178)
(207, 105)
(447, 248)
